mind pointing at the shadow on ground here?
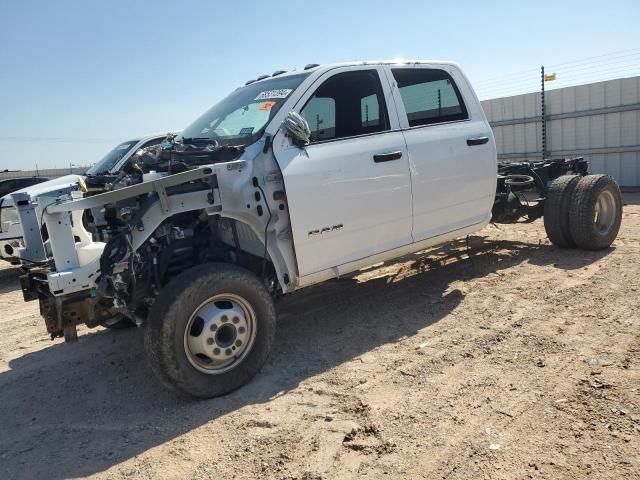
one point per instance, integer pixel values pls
(9, 279)
(76, 410)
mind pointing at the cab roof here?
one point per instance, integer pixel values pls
(313, 67)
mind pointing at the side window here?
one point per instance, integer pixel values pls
(320, 114)
(346, 105)
(429, 96)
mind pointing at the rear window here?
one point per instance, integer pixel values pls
(429, 96)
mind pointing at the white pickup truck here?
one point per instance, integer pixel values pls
(292, 179)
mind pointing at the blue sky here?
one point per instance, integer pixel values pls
(77, 77)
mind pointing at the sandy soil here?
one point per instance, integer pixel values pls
(522, 361)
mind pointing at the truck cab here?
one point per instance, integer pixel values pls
(390, 146)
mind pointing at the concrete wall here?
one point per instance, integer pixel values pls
(47, 173)
(600, 121)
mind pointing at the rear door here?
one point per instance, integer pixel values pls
(349, 191)
(451, 149)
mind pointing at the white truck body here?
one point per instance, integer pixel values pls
(438, 189)
(291, 180)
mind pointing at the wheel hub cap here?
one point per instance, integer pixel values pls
(220, 333)
(604, 216)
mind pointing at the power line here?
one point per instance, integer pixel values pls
(591, 58)
(598, 65)
(595, 75)
(620, 62)
(601, 74)
(619, 56)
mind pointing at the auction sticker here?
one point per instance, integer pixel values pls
(281, 93)
(266, 106)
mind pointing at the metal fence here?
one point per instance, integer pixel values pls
(600, 121)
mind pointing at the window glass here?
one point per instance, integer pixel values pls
(370, 111)
(346, 105)
(320, 113)
(429, 96)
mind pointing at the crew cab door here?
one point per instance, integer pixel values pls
(451, 148)
(348, 191)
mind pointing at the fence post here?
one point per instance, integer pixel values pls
(544, 116)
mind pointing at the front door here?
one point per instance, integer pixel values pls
(349, 190)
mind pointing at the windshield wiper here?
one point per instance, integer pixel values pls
(199, 140)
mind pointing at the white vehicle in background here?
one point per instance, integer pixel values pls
(291, 180)
(105, 171)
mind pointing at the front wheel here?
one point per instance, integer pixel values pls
(210, 330)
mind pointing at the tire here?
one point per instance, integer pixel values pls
(595, 212)
(204, 317)
(119, 323)
(556, 210)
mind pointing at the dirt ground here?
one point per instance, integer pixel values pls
(521, 361)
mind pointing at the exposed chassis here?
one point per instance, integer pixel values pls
(522, 187)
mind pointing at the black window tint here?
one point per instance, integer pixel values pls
(429, 96)
(346, 105)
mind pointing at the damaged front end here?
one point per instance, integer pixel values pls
(149, 230)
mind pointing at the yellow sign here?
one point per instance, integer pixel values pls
(551, 76)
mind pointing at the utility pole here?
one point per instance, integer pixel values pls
(544, 116)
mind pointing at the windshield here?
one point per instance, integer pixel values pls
(241, 117)
(110, 159)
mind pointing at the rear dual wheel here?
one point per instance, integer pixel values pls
(556, 210)
(583, 211)
(595, 213)
(210, 330)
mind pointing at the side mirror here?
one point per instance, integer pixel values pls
(297, 128)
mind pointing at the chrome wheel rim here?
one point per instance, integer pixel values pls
(220, 333)
(605, 213)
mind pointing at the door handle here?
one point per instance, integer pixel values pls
(477, 141)
(387, 157)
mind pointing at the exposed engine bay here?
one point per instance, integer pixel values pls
(134, 232)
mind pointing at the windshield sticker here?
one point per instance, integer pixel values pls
(124, 146)
(281, 93)
(246, 131)
(266, 106)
